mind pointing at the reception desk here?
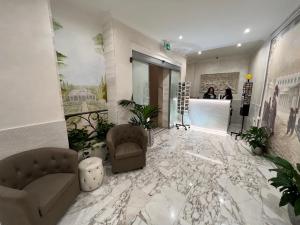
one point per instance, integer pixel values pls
(210, 114)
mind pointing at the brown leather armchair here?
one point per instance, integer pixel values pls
(38, 186)
(127, 147)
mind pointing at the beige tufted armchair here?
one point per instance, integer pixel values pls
(127, 147)
(38, 186)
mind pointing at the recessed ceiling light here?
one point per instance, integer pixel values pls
(239, 45)
(247, 31)
(200, 53)
(180, 37)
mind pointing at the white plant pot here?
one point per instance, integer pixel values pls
(150, 138)
(257, 151)
(295, 220)
(99, 150)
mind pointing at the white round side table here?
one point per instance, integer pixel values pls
(90, 173)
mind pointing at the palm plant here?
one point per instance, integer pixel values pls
(142, 114)
(288, 182)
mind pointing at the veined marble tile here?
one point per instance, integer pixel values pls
(137, 201)
(139, 221)
(271, 198)
(250, 208)
(163, 208)
(191, 178)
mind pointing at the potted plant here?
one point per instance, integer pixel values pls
(142, 116)
(288, 182)
(99, 145)
(102, 129)
(79, 141)
(257, 138)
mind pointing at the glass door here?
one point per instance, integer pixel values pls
(173, 115)
(140, 82)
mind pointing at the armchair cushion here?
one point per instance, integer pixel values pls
(49, 189)
(128, 150)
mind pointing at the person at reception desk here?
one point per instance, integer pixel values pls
(210, 94)
(228, 94)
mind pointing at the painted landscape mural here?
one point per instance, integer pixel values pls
(81, 66)
(282, 96)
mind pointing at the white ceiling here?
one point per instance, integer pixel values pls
(204, 24)
(248, 48)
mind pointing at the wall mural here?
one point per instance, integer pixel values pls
(81, 71)
(220, 82)
(282, 95)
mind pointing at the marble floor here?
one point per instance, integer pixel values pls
(191, 177)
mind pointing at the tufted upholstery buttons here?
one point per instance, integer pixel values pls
(21, 169)
(19, 173)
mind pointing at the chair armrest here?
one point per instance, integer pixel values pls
(17, 207)
(110, 143)
(143, 140)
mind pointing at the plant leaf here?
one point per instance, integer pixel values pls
(297, 181)
(298, 166)
(280, 162)
(297, 207)
(126, 103)
(285, 199)
(56, 25)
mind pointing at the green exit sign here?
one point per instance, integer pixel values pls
(167, 46)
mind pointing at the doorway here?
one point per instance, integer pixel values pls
(156, 84)
(155, 73)
(159, 93)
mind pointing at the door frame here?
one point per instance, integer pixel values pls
(138, 56)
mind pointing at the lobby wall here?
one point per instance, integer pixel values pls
(258, 67)
(276, 71)
(31, 107)
(226, 64)
(281, 102)
(123, 41)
